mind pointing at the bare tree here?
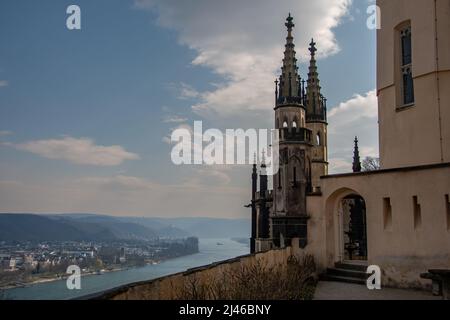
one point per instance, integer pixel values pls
(371, 164)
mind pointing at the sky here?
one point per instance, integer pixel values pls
(86, 115)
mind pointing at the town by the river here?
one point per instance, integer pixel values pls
(210, 250)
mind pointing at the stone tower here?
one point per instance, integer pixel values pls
(300, 117)
(293, 181)
(316, 121)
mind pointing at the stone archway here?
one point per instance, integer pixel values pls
(346, 227)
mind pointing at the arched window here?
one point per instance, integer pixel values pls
(294, 124)
(285, 124)
(318, 139)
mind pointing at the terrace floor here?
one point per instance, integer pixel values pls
(344, 291)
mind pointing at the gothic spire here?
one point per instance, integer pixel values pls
(315, 101)
(356, 159)
(289, 83)
(263, 159)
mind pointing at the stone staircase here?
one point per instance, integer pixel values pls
(346, 272)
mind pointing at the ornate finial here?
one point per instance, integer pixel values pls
(356, 158)
(289, 24)
(312, 47)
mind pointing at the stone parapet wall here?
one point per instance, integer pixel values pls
(220, 274)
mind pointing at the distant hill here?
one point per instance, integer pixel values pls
(53, 228)
(212, 228)
(102, 227)
(35, 227)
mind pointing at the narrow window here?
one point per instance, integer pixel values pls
(406, 66)
(279, 179)
(447, 204)
(318, 140)
(417, 213)
(295, 176)
(387, 214)
(285, 124)
(294, 124)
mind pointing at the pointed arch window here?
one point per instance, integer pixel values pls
(318, 139)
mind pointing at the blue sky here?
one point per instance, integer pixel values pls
(138, 69)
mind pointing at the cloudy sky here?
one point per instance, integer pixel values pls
(85, 115)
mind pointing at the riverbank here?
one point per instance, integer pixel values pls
(45, 279)
(209, 252)
(48, 278)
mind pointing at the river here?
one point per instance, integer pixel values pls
(209, 252)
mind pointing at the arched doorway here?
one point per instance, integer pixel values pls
(352, 212)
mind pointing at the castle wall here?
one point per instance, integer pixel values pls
(172, 286)
(402, 249)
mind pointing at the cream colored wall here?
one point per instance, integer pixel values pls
(413, 136)
(402, 252)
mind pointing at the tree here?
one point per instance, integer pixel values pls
(371, 164)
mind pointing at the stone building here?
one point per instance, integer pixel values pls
(300, 116)
(397, 217)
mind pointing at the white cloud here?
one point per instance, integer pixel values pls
(187, 92)
(174, 119)
(357, 116)
(4, 83)
(124, 195)
(210, 175)
(245, 45)
(78, 151)
(4, 133)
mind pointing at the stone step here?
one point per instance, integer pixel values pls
(347, 273)
(327, 277)
(350, 266)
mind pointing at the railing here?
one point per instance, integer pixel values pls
(290, 100)
(295, 135)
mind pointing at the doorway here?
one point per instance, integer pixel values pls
(354, 228)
